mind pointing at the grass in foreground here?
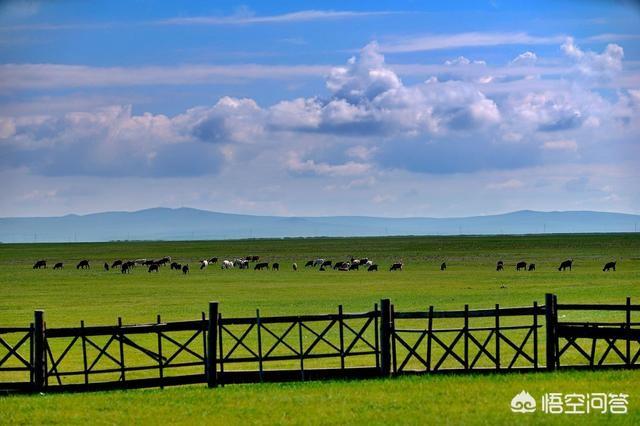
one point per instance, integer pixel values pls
(471, 399)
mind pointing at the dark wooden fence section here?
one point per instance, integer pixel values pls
(379, 343)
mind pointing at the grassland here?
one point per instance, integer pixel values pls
(99, 297)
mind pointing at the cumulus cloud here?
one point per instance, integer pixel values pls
(595, 65)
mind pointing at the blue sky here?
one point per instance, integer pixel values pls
(320, 108)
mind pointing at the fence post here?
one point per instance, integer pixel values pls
(38, 351)
(551, 319)
(212, 338)
(385, 337)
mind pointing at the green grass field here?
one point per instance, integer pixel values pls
(99, 297)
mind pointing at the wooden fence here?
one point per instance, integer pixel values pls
(379, 343)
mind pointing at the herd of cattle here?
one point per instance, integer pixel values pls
(244, 263)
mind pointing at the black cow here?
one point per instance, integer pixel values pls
(608, 266)
(396, 267)
(500, 262)
(309, 263)
(354, 266)
(58, 265)
(84, 264)
(443, 267)
(500, 267)
(373, 267)
(337, 265)
(154, 267)
(174, 265)
(326, 263)
(213, 260)
(521, 265)
(532, 267)
(364, 260)
(40, 264)
(566, 264)
(185, 269)
(275, 267)
(261, 266)
(106, 266)
(116, 263)
(127, 267)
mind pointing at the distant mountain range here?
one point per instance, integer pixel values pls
(193, 224)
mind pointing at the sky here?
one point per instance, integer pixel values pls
(393, 109)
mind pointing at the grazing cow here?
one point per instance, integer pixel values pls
(241, 263)
(260, 266)
(139, 261)
(364, 260)
(354, 266)
(396, 267)
(500, 262)
(162, 261)
(84, 264)
(255, 258)
(275, 267)
(608, 266)
(116, 263)
(309, 263)
(327, 263)
(154, 267)
(174, 265)
(204, 264)
(566, 264)
(226, 264)
(126, 267)
(148, 262)
(443, 267)
(521, 265)
(185, 269)
(368, 263)
(40, 264)
(500, 266)
(295, 266)
(213, 260)
(318, 262)
(355, 261)
(532, 267)
(372, 267)
(106, 266)
(58, 265)
(338, 265)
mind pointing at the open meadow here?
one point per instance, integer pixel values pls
(99, 297)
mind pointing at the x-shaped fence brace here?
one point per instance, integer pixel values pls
(163, 361)
(13, 351)
(449, 349)
(571, 342)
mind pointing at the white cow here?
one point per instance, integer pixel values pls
(204, 264)
(226, 264)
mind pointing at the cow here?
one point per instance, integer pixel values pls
(372, 267)
(58, 265)
(213, 260)
(500, 262)
(295, 266)
(148, 262)
(126, 267)
(327, 263)
(499, 267)
(566, 264)
(354, 266)
(608, 266)
(226, 264)
(396, 267)
(364, 260)
(255, 258)
(185, 269)
(532, 267)
(338, 265)
(116, 263)
(260, 266)
(309, 263)
(163, 261)
(368, 263)
(84, 264)
(521, 265)
(40, 264)
(443, 267)
(106, 266)
(174, 265)
(204, 264)
(241, 263)
(139, 261)
(318, 262)
(275, 267)
(154, 267)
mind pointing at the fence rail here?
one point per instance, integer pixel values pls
(378, 343)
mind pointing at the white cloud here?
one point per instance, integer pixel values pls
(351, 168)
(560, 145)
(525, 59)
(471, 39)
(592, 64)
